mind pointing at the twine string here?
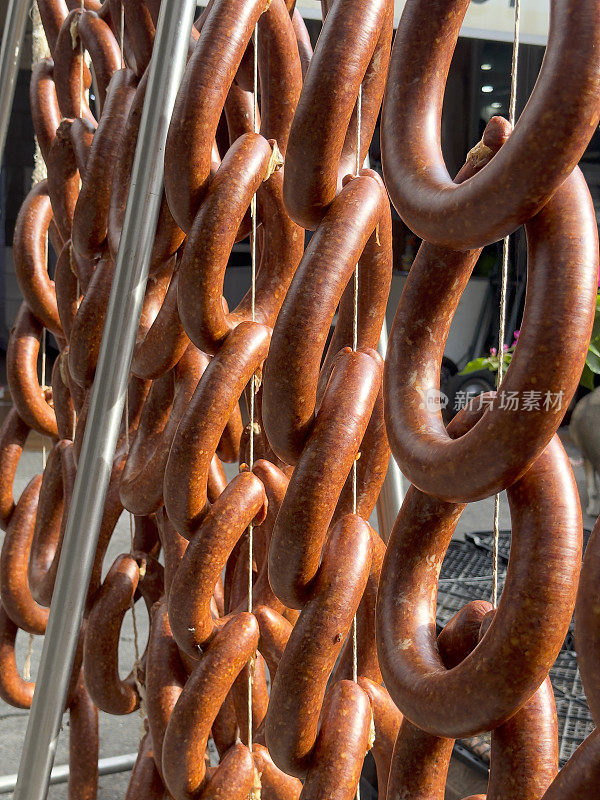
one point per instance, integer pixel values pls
(39, 50)
(358, 166)
(504, 283)
(253, 379)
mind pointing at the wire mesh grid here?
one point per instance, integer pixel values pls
(466, 576)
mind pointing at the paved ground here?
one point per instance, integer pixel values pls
(119, 735)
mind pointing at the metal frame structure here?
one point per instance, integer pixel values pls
(107, 401)
(10, 55)
(60, 774)
(393, 490)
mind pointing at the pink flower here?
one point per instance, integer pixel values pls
(516, 335)
(505, 348)
(493, 351)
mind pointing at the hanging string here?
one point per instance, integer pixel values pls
(39, 50)
(251, 665)
(137, 666)
(122, 36)
(358, 166)
(503, 292)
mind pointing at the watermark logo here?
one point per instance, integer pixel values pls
(435, 401)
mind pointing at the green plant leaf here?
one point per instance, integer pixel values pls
(593, 362)
(475, 365)
(593, 348)
(587, 378)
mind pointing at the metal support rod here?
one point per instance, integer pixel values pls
(60, 774)
(107, 401)
(393, 490)
(10, 54)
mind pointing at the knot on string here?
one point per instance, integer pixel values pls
(275, 161)
(479, 155)
(74, 31)
(255, 791)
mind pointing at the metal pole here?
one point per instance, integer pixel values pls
(107, 401)
(60, 774)
(393, 490)
(10, 54)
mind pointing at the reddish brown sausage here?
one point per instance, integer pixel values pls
(291, 725)
(323, 138)
(189, 727)
(193, 626)
(307, 509)
(165, 677)
(345, 728)
(200, 101)
(533, 616)
(548, 141)
(386, 721)
(13, 435)
(31, 257)
(580, 775)
(299, 335)
(280, 73)
(168, 234)
(44, 104)
(15, 591)
(145, 782)
(200, 429)
(274, 784)
(90, 220)
(201, 304)
(100, 653)
(83, 745)
(143, 475)
(29, 398)
(165, 341)
(562, 283)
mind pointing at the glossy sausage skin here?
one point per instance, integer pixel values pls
(314, 644)
(90, 220)
(309, 504)
(83, 745)
(580, 775)
(44, 104)
(143, 474)
(301, 330)
(386, 721)
(322, 144)
(29, 398)
(345, 728)
(50, 520)
(533, 615)
(187, 733)
(15, 591)
(549, 139)
(562, 283)
(13, 435)
(200, 100)
(245, 166)
(31, 259)
(419, 763)
(274, 784)
(109, 692)
(201, 427)
(165, 678)
(169, 236)
(242, 502)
